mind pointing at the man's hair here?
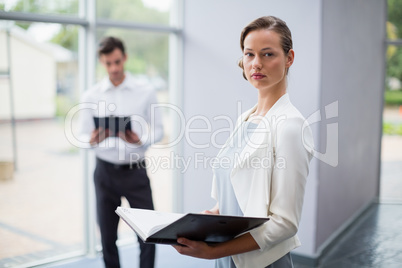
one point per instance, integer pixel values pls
(108, 44)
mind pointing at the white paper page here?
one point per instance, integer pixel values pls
(151, 221)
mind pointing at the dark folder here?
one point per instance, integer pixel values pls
(205, 227)
(114, 124)
(164, 227)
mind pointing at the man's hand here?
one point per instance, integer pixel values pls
(129, 136)
(98, 135)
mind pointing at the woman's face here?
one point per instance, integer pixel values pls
(264, 60)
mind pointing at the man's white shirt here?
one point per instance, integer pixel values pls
(131, 98)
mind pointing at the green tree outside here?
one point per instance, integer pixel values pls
(394, 54)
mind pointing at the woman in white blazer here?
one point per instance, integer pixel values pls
(270, 150)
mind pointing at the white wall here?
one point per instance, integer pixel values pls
(353, 67)
(213, 84)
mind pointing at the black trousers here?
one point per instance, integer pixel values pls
(111, 183)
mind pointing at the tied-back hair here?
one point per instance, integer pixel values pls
(268, 23)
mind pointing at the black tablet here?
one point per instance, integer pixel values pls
(114, 124)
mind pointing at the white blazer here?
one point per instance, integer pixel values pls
(282, 137)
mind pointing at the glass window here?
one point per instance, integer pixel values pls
(392, 114)
(394, 24)
(148, 61)
(147, 55)
(391, 155)
(394, 68)
(41, 204)
(141, 11)
(59, 7)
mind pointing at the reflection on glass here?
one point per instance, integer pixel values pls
(68, 7)
(141, 11)
(41, 207)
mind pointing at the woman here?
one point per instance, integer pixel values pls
(278, 134)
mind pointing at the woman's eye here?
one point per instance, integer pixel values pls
(268, 54)
(249, 54)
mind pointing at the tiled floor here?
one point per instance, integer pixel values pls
(166, 257)
(374, 241)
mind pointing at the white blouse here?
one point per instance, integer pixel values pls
(274, 185)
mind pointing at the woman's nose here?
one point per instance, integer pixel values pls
(257, 63)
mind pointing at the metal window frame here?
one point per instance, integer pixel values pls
(397, 42)
(33, 17)
(87, 51)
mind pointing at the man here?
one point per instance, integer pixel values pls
(120, 166)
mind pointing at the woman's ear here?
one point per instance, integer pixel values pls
(290, 58)
(240, 63)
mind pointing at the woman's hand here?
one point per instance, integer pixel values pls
(214, 210)
(195, 249)
(198, 249)
(209, 212)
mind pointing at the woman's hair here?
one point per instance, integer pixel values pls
(108, 44)
(268, 23)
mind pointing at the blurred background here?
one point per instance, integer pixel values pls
(45, 186)
(48, 59)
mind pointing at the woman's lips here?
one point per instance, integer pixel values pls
(257, 76)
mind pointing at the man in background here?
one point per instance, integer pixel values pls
(120, 165)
